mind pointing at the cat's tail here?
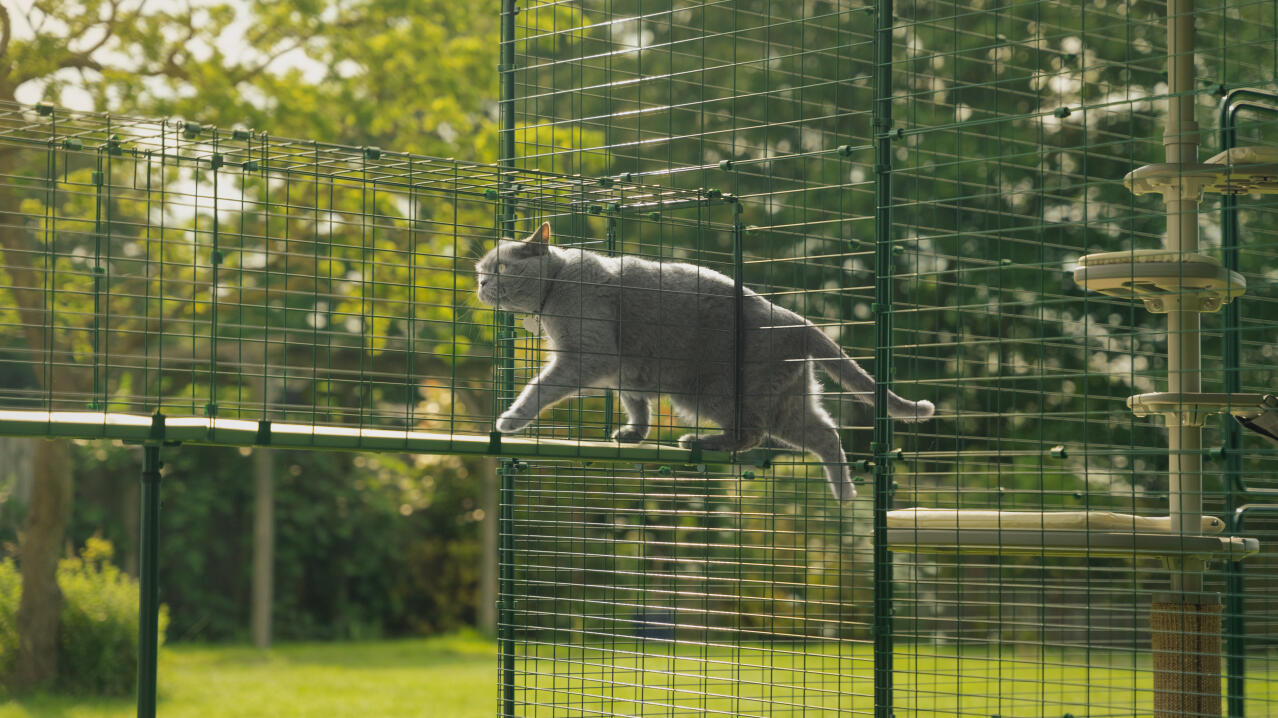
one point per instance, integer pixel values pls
(843, 369)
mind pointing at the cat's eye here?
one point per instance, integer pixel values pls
(501, 267)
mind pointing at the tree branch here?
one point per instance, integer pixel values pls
(7, 31)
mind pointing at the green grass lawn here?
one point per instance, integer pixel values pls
(451, 677)
(456, 677)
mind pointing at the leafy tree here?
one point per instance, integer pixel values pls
(417, 76)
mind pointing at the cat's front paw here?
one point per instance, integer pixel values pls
(509, 423)
(690, 441)
(628, 435)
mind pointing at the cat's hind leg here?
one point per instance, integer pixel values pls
(808, 427)
(638, 416)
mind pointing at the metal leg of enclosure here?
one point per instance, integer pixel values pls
(505, 588)
(882, 441)
(149, 594)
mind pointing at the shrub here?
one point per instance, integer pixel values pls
(98, 631)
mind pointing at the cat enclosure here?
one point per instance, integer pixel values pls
(1052, 220)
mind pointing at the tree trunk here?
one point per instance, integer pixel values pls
(39, 551)
(263, 547)
(51, 489)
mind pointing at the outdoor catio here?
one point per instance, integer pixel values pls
(1052, 220)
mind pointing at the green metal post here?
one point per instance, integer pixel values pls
(506, 370)
(738, 293)
(505, 587)
(882, 440)
(148, 589)
(610, 243)
(1235, 642)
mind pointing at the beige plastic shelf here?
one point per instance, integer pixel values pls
(1161, 279)
(1193, 409)
(1240, 170)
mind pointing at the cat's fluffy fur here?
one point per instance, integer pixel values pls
(646, 328)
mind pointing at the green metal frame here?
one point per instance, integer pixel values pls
(1237, 492)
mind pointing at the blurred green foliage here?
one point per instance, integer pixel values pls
(365, 545)
(98, 629)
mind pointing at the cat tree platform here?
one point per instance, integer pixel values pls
(1161, 279)
(1240, 170)
(1185, 409)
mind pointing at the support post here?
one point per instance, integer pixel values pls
(505, 589)
(1185, 634)
(882, 440)
(1184, 625)
(506, 380)
(1184, 358)
(148, 588)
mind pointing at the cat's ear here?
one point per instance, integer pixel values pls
(539, 241)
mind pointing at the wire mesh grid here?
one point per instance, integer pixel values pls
(160, 267)
(1011, 130)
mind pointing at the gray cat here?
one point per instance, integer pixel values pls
(646, 328)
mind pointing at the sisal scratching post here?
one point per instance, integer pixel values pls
(1186, 647)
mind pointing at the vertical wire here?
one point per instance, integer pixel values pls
(315, 287)
(263, 169)
(98, 271)
(364, 390)
(215, 262)
(50, 261)
(164, 157)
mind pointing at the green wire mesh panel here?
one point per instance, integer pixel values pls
(1015, 126)
(681, 590)
(248, 289)
(630, 593)
(685, 589)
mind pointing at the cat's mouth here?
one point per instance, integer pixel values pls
(490, 294)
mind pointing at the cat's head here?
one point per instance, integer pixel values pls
(512, 275)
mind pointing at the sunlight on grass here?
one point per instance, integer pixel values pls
(456, 677)
(451, 676)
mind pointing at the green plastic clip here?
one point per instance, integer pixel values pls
(372, 153)
(44, 108)
(191, 130)
(241, 134)
(251, 166)
(216, 160)
(1059, 452)
(263, 437)
(73, 143)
